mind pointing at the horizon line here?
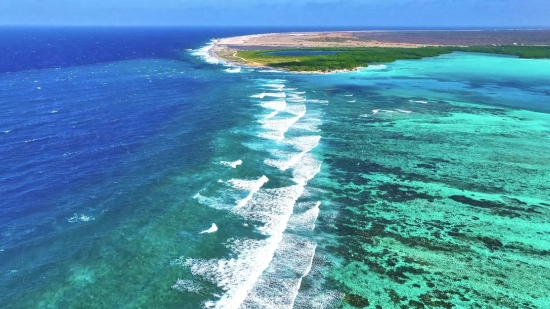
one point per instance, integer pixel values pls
(351, 27)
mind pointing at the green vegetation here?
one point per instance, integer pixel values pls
(351, 58)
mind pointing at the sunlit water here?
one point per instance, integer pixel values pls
(166, 180)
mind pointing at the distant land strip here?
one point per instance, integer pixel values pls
(323, 52)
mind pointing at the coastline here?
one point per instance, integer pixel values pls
(226, 55)
(357, 49)
(225, 49)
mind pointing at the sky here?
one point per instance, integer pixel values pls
(312, 13)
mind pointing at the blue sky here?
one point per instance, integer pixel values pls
(339, 13)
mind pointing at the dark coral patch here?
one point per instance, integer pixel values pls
(356, 301)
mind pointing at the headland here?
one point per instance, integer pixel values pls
(323, 52)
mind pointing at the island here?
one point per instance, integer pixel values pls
(344, 51)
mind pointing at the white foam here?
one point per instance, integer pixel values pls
(233, 70)
(352, 101)
(248, 185)
(276, 128)
(288, 159)
(304, 165)
(212, 229)
(296, 109)
(404, 111)
(277, 86)
(233, 164)
(375, 111)
(291, 262)
(348, 95)
(271, 115)
(376, 66)
(186, 286)
(211, 202)
(237, 276)
(278, 105)
(295, 97)
(304, 143)
(421, 102)
(305, 221)
(317, 101)
(306, 168)
(80, 218)
(204, 53)
(269, 94)
(309, 124)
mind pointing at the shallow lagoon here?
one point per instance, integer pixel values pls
(436, 178)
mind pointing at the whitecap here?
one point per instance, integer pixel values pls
(186, 286)
(278, 105)
(80, 218)
(276, 128)
(304, 143)
(296, 109)
(233, 70)
(305, 221)
(291, 261)
(233, 164)
(317, 101)
(212, 229)
(252, 186)
(204, 53)
(295, 97)
(277, 86)
(268, 94)
(237, 276)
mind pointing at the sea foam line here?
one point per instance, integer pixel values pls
(237, 276)
(243, 277)
(204, 53)
(233, 164)
(269, 94)
(291, 262)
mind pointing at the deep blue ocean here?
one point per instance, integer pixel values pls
(138, 172)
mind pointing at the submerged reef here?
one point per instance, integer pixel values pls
(439, 209)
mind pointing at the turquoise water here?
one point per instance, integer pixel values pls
(436, 176)
(417, 184)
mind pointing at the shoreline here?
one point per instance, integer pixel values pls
(372, 46)
(217, 51)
